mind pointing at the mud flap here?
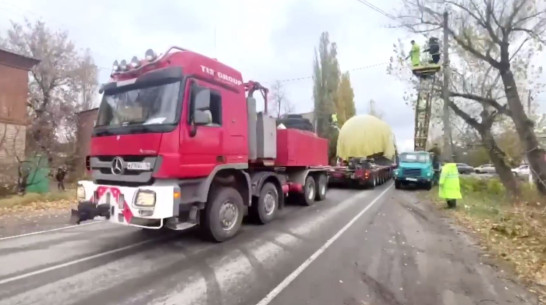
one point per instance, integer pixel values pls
(88, 210)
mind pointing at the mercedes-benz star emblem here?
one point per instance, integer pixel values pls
(117, 166)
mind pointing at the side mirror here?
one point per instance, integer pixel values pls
(200, 109)
(202, 117)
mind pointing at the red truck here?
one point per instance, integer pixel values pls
(178, 142)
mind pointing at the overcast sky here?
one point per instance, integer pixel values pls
(265, 40)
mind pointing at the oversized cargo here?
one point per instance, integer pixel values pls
(367, 151)
(365, 136)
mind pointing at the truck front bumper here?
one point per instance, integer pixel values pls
(142, 206)
(416, 180)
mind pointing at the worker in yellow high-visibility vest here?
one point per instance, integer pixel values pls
(450, 188)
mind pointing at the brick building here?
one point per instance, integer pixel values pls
(14, 81)
(86, 121)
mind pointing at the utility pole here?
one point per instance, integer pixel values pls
(447, 151)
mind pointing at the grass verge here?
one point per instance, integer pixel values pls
(32, 202)
(512, 231)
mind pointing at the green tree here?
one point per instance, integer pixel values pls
(326, 77)
(345, 106)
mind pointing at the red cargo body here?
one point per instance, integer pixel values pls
(292, 142)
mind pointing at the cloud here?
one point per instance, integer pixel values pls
(265, 40)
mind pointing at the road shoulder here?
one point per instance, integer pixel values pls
(408, 253)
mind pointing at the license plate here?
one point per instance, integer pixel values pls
(411, 179)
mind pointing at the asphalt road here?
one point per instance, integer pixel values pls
(358, 247)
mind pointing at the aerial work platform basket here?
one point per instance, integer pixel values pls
(426, 70)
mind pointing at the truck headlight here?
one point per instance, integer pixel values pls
(145, 198)
(80, 193)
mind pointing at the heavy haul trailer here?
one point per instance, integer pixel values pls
(360, 173)
(177, 142)
(366, 150)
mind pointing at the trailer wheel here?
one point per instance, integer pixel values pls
(265, 208)
(322, 187)
(223, 214)
(309, 191)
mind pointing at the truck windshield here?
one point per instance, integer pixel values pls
(140, 106)
(415, 158)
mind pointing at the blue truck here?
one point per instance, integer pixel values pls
(415, 168)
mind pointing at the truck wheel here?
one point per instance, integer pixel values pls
(223, 214)
(373, 183)
(265, 208)
(309, 191)
(322, 187)
(428, 185)
(397, 184)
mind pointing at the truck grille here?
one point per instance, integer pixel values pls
(101, 169)
(411, 172)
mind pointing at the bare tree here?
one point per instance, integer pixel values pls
(61, 84)
(281, 104)
(497, 39)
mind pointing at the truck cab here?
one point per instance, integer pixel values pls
(414, 168)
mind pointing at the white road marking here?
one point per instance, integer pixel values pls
(52, 230)
(292, 276)
(76, 261)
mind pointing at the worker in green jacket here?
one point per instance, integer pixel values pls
(450, 188)
(415, 54)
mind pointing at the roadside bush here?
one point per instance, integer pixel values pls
(495, 187)
(472, 185)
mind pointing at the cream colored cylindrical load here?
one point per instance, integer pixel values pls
(365, 136)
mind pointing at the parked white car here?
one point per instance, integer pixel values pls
(485, 169)
(521, 171)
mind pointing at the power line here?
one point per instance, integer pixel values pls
(377, 9)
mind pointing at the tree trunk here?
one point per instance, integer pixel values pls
(524, 127)
(497, 158)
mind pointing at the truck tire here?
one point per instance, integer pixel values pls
(309, 188)
(373, 182)
(223, 214)
(322, 187)
(397, 184)
(428, 186)
(265, 208)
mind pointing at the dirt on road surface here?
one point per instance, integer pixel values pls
(380, 247)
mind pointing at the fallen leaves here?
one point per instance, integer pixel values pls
(31, 203)
(515, 233)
